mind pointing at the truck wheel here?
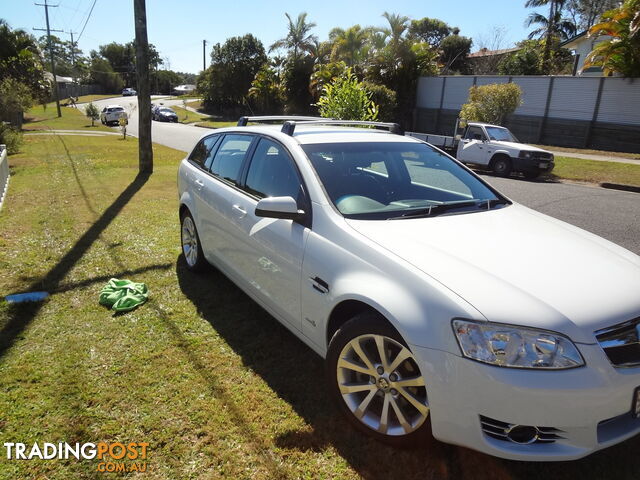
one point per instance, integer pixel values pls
(501, 166)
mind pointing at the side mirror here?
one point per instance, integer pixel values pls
(279, 207)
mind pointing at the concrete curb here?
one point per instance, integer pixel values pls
(620, 186)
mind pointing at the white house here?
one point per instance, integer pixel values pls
(581, 45)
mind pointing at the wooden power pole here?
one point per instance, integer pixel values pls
(145, 151)
(50, 46)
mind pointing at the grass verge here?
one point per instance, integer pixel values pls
(40, 118)
(596, 172)
(217, 124)
(634, 156)
(187, 116)
(215, 385)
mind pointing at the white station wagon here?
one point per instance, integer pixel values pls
(440, 306)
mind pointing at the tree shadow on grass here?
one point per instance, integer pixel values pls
(20, 315)
(296, 374)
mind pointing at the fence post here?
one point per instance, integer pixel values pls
(4, 172)
(444, 83)
(546, 110)
(596, 110)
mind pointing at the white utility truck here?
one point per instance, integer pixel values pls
(492, 146)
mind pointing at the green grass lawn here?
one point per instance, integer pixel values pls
(596, 171)
(217, 123)
(187, 116)
(588, 151)
(215, 385)
(40, 118)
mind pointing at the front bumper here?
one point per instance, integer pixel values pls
(533, 165)
(590, 406)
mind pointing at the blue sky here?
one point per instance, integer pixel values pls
(177, 28)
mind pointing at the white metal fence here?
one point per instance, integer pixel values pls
(4, 173)
(574, 111)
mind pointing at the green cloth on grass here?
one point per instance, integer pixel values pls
(123, 295)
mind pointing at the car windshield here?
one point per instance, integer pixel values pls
(166, 110)
(501, 134)
(384, 180)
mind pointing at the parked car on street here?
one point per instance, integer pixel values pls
(440, 306)
(493, 147)
(129, 92)
(111, 114)
(164, 114)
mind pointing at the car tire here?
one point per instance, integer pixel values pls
(354, 360)
(501, 166)
(191, 246)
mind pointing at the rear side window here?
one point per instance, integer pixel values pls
(272, 172)
(202, 155)
(230, 155)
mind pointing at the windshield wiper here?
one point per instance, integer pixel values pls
(436, 209)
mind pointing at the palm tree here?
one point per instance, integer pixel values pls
(298, 38)
(348, 44)
(621, 54)
(398, 24)
(552, 27)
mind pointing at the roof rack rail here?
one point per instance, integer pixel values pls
(242, 121)
(289, 126)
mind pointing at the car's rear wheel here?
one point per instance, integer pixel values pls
(191, 247)
(377, 382)
(501, 166)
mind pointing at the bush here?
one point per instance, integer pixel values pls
(385, 99)
(10, 137)
(491, 103)
(345, 98)
(92, 112)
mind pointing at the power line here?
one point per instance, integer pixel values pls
(87, 20)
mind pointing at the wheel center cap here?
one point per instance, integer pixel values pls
(383, 383)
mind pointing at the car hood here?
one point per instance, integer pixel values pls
(519, 146)
(515, 265)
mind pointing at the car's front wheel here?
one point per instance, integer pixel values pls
(191, 247)
(377, 381)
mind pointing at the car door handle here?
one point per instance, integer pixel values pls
(199, 183)
(241, 212)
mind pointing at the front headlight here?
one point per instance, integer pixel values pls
(526, 154)
(516, 347)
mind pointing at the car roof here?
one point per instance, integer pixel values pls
(115, 106)
(313, 134)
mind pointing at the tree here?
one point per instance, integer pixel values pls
(384, 98)
(585, 13)
(491, 103)
(348, 45)
(621, 54)
(21, 60)
(430, 30)
(266, 91)
(68, 58)
(101, 73)
(122, 58)
(298, 39)
(233, 68)
(92, 112)
(295, 81)
(345, 98)
(163, 81)
(323, 74)
(454, 52)
(526, 61)
(553, 28)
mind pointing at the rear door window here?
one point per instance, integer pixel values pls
(272, 172)
(228, 159)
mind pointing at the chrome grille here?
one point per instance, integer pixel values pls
(621, 343)
(500, 431)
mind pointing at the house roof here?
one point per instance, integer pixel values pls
(574, 38)
(485, 52)
(59, 79)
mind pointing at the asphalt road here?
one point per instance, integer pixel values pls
(612, 214)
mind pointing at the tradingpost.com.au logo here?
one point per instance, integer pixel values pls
(113, 456)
